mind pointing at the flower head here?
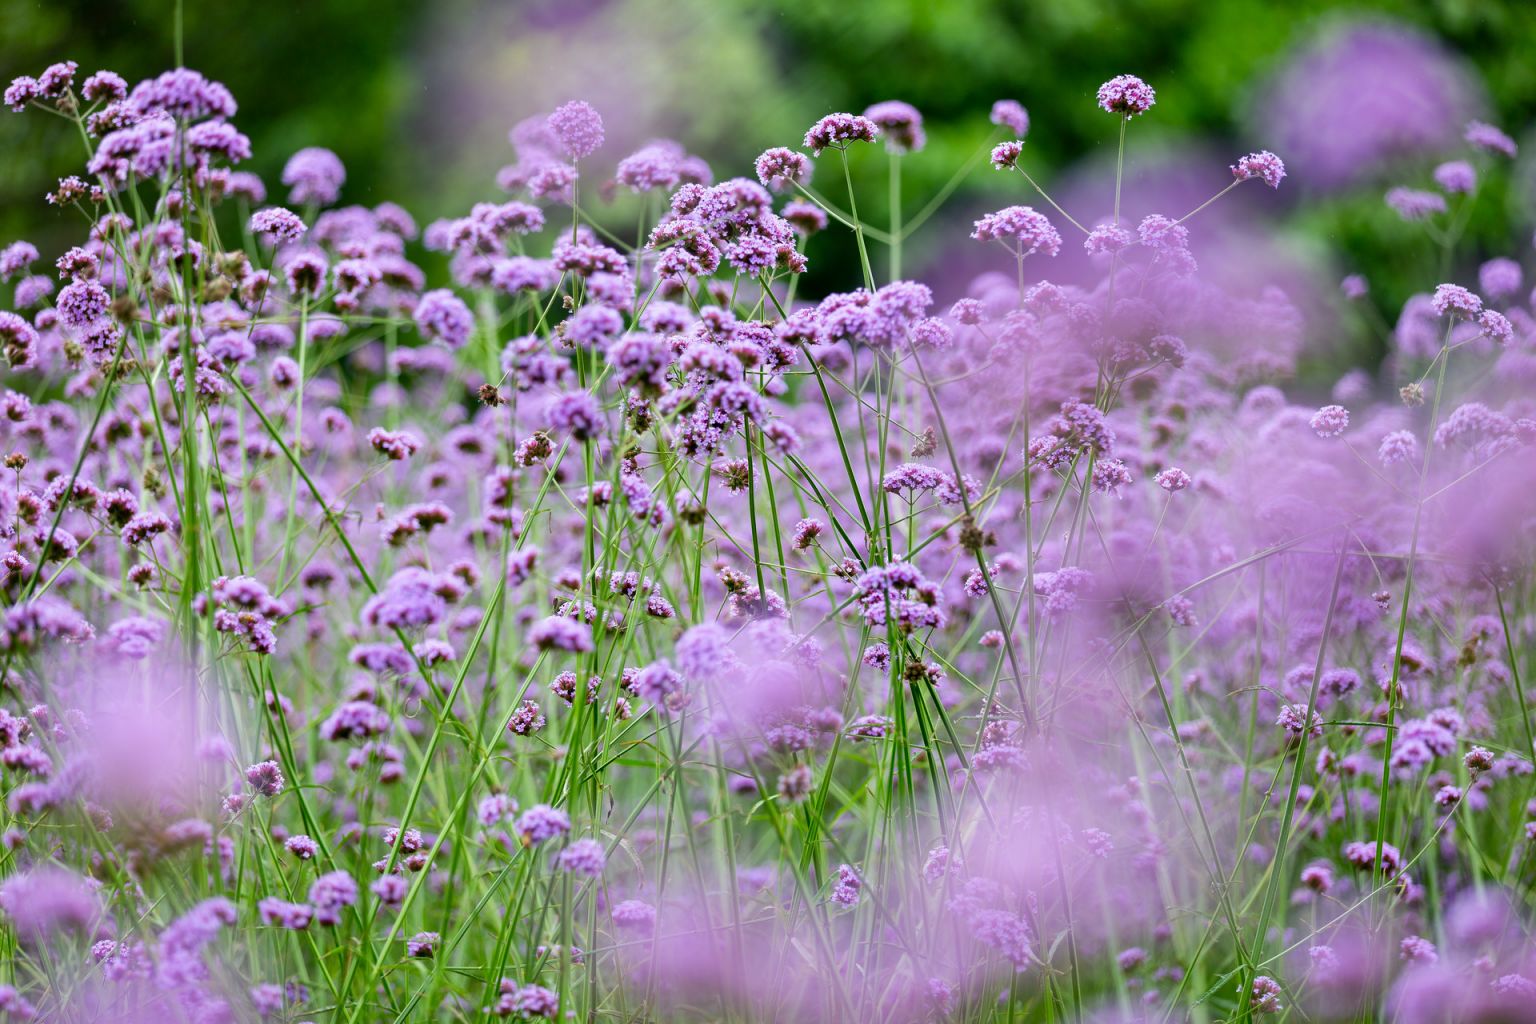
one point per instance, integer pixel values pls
(1263, 165)
(836, 131)
(1126, 95)
(577, 127)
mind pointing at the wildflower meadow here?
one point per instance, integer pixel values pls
(529, 615)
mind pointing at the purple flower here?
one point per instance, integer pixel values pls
(184, 94)
(1456, 176)
(1399, 448)
(355, 718)
(293, 916)
(1500, 278)
(657, 165)
(1011, 114)
(104, 85)
(527, 1001)
(1005, 155)
(302, 847)
(442, 316)
(1266, 995)
(847, 887)
(1354, 287)
(265, 777)
(526, 720)
(1020, 228)
(1172, 479)
(1107, 239)
(635, 915)
(1496, 326)
(82, 303)
(422, 945)
(278, 224)
(21, 91)
(583, 857)
(1414, 204)
(15, 258)
(1489, 139)
(577, 127)
(561, 633)
(1263, 165)
(396, 444)
(1296, 719)
(542, 823)
(1330, 421)
(780, 168)
(1454, 300)
(1126, 95)
(901, 123)
(330, 893)
(593, 325)
(45, 900)
(836, 131)
(314, 175)
(704, 652)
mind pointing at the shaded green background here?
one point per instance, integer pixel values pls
(416, 97)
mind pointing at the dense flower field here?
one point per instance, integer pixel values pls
(620, 634)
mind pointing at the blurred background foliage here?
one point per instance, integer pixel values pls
(416, 96)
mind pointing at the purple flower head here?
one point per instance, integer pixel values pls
(104, 85)
(780, 169)
(1456, 177)
(1500, 278)
(1330, 421)
(836, 131)
(45, 900)
(635, 915)
(314, 175)
(82, 303)
(1010, 114)
(1172, 479)
(561, 633)
(182, 93)
(1107, 239)
(1454, 300)
(577, 128)
(1414, 204)
(355, 719)
(1263, 165)
(847, 886)
(1489, 139)
(1496, 326)
(293, 916)
(302, 847)
(526, 1002)
(542, 823)
(1021, 228)
(654, 166)
(277, 224)
(1398, 448)
(21, 91)
(704, 652)
(265, 777)
(1126, 95)
(901, 123)
(583, 857)
(15, 258)
(1005, 155)
(330, 894)
(443, 317)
